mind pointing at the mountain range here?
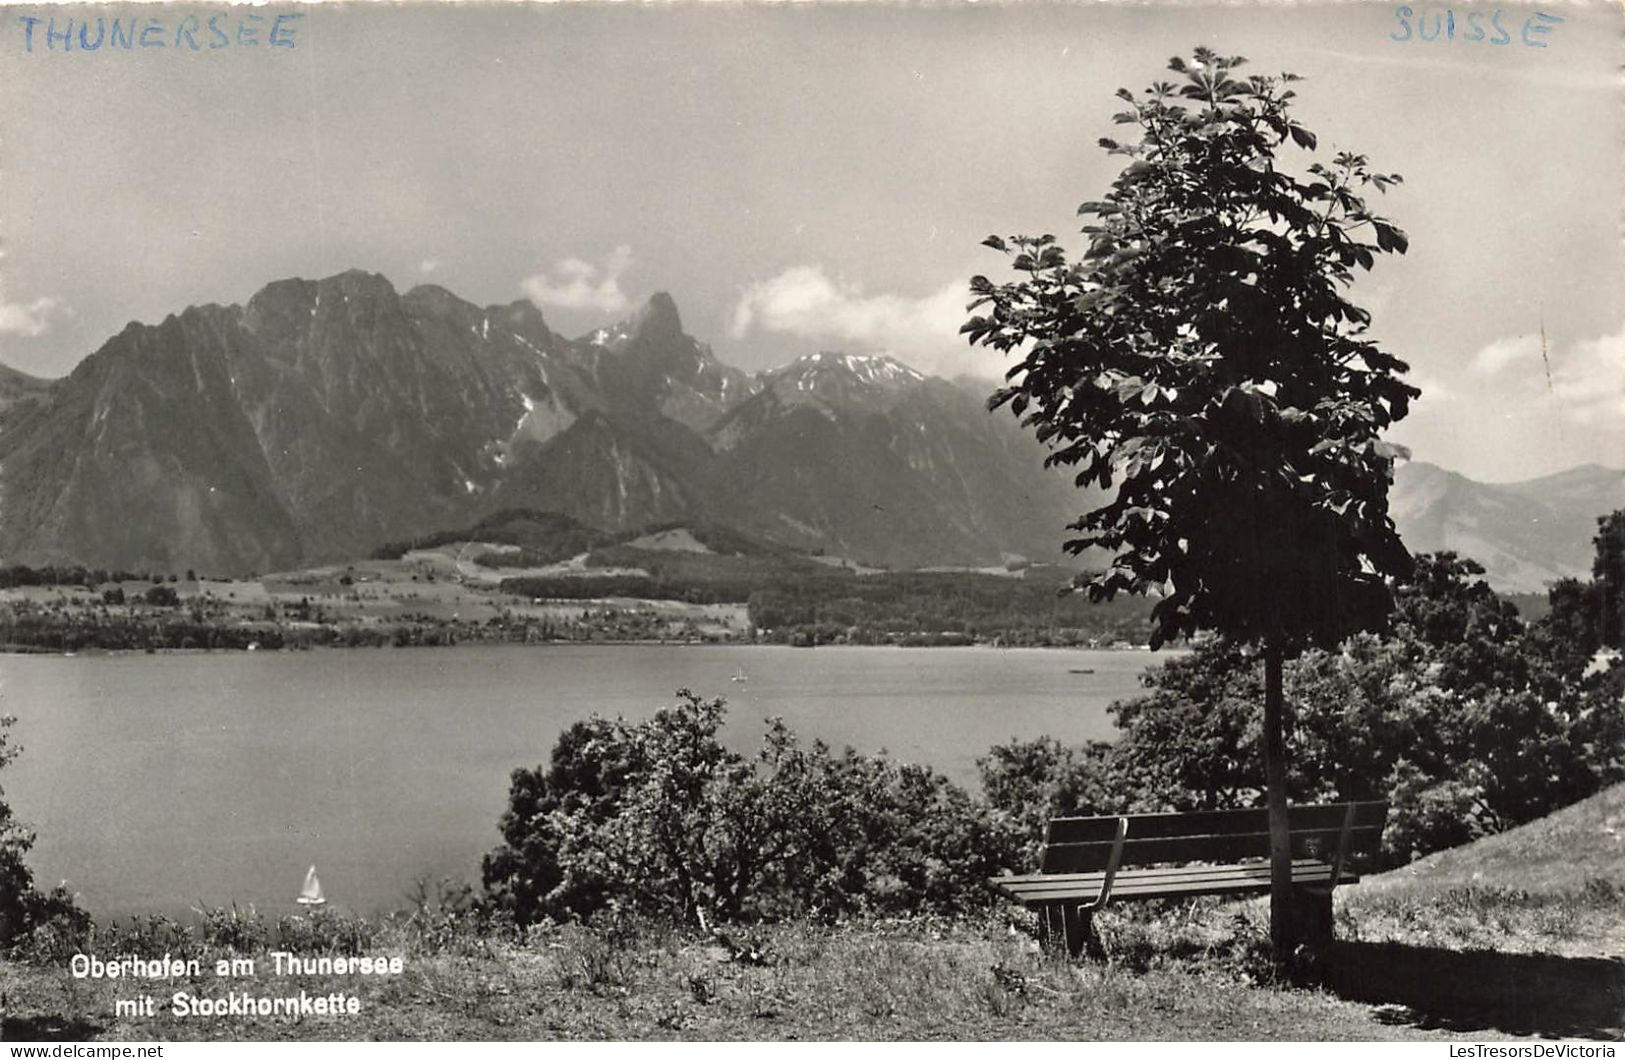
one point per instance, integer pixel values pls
(323, 418)
(1525, 534)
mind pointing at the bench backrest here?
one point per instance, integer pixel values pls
(1085, 844)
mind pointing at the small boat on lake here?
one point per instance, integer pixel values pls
(311, 892)
(1080, 671)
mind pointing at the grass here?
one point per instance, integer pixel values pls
(1516, 934)
(1555, 886)
(903, 979)
(1584, 840)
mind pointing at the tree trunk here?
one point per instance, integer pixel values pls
(1281, 923)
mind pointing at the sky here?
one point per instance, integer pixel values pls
(807, 177)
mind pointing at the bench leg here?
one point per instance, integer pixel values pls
(1081, 937)
(1312, 916)
(1048, 915)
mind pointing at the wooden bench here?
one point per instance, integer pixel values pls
(1089, 861)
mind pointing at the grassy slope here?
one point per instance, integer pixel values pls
(1556, 885)
(1586, 840)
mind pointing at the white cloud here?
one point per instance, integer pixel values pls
(28, 318)
(576, 284)
(428, 265)
(922, 331)
(1586, 380)
(1503, 353)
(1589, 380)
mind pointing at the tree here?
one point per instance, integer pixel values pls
(1191, 741)
(1466, 720)
(1608, 577)
(1201, 356)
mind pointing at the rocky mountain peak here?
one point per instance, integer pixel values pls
(876, 369)
(834, 380)
(658, 320)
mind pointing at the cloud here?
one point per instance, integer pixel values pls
(428, 265)
(924, 331)
(1586, 379)
(576, 284)
(1589, 380)
(29, 318)
(1502, 354)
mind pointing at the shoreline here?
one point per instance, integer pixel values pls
(15, 650)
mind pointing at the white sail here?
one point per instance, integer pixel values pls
(311, 892)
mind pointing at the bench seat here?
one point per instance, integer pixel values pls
(1186, 881)
(1088, 862)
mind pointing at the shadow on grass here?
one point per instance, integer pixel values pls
(1464, 990)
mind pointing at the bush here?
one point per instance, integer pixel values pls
(1466, 720)
(1029, 781)
(23, 909)
(1191, 742)
(658, 817)
(234, 930)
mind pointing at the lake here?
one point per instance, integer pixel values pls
(158, 782)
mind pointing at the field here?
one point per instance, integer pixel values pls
(527, 577)
(433, 596)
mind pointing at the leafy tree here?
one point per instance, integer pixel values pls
(1575, 618)
(1473, 633)
(1464, 719)
(1586, 616)
(1608, 575)
(1202, 357)
(1191, 742)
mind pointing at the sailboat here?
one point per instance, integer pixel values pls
(311, 892)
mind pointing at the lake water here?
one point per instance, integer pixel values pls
(160, 782)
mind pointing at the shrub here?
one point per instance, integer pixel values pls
(23, 908)
(233, 929)
(1191, 742)
(659, 817)
(1463, 718)
(1029, 781)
